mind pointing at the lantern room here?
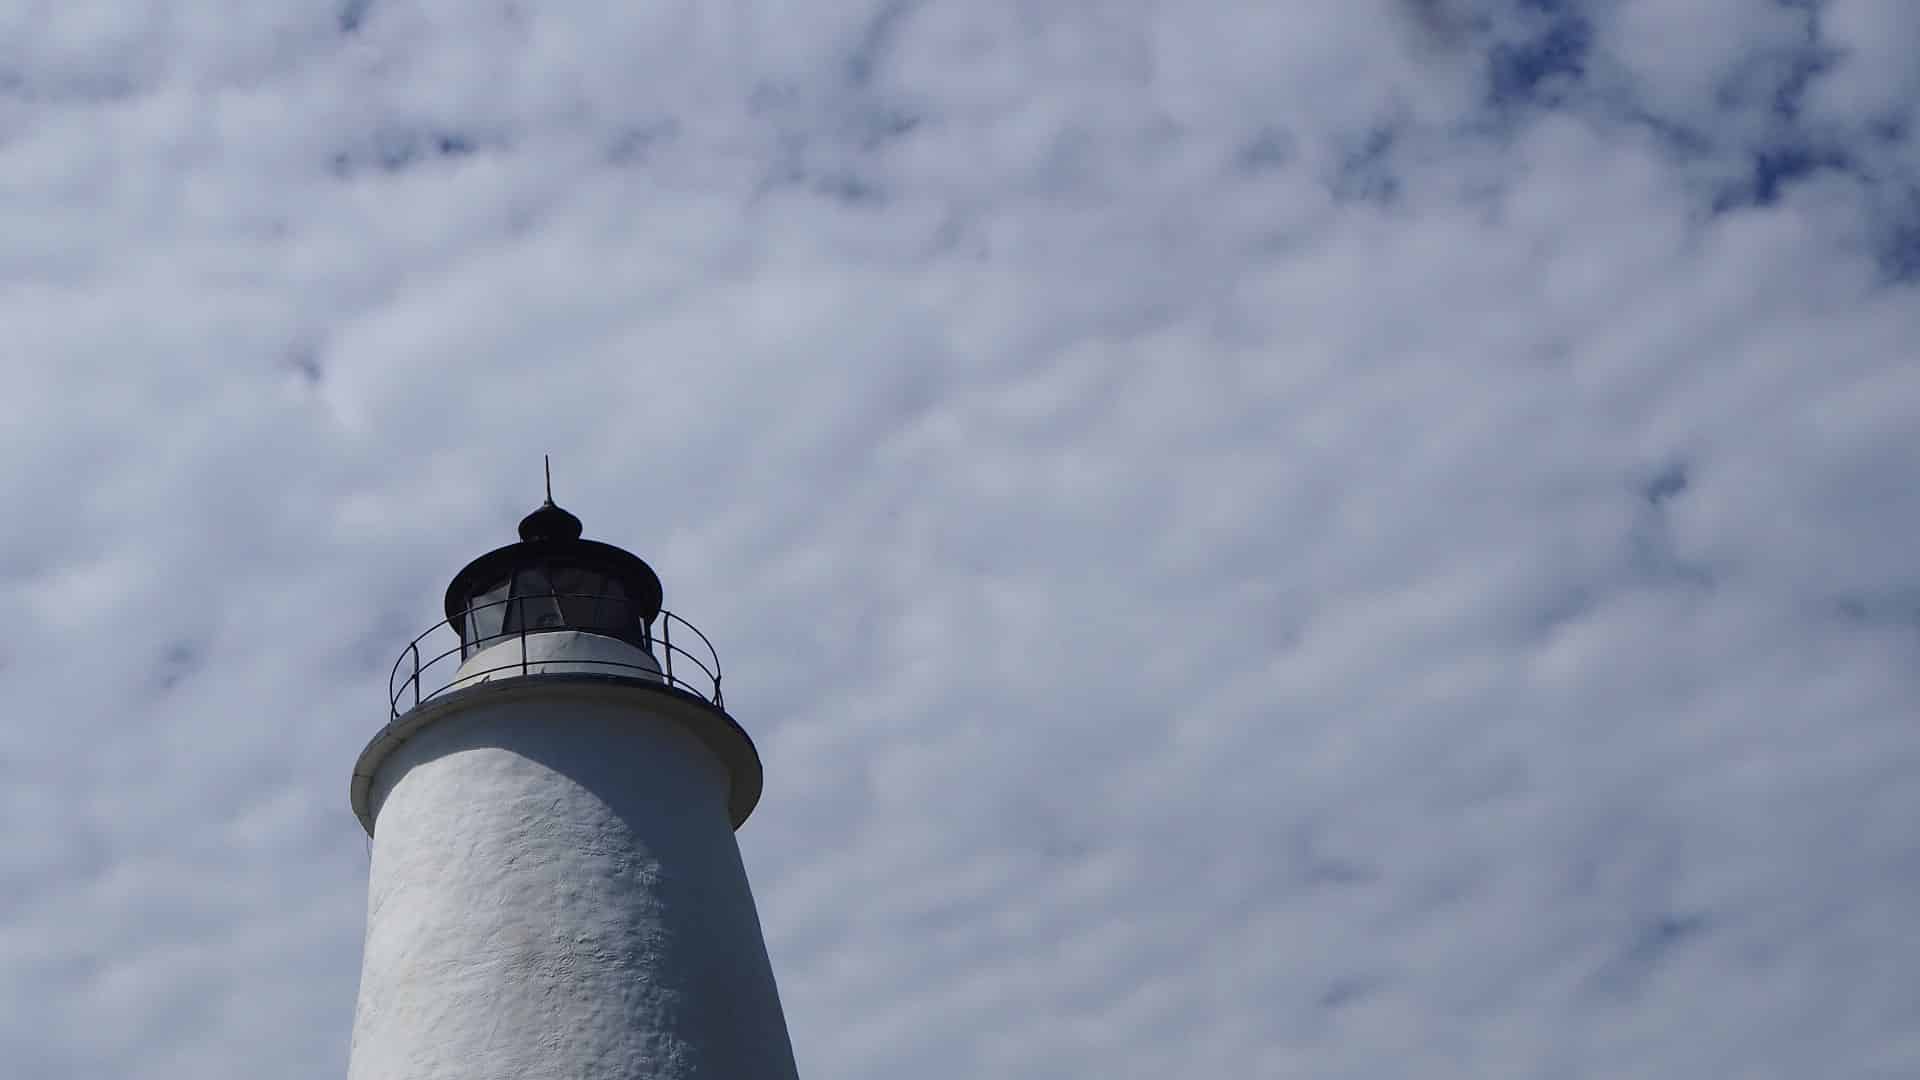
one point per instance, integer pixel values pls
(554, 604)
(553, 580)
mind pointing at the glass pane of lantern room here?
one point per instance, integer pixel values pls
(613, 614)
(579, 594)
(535, 607)
(486, 615)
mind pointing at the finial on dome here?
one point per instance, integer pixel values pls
(549, 522)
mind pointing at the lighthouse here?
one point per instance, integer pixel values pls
(555, 890)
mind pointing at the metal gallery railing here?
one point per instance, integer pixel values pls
(415, 680)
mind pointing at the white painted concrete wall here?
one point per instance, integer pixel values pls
(552, 652)
(556, 894)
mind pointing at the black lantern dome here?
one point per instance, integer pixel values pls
(553, 580)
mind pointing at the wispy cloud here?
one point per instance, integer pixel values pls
(1253, 539)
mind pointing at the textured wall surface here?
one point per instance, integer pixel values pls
(556, 893)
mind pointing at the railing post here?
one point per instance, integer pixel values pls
(523, 639)
(666, 636)
(416, 672)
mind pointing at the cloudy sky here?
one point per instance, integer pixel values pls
(1256, 539)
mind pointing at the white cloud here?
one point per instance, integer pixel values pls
(1252, 539)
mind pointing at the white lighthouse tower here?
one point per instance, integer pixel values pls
(555, 891)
